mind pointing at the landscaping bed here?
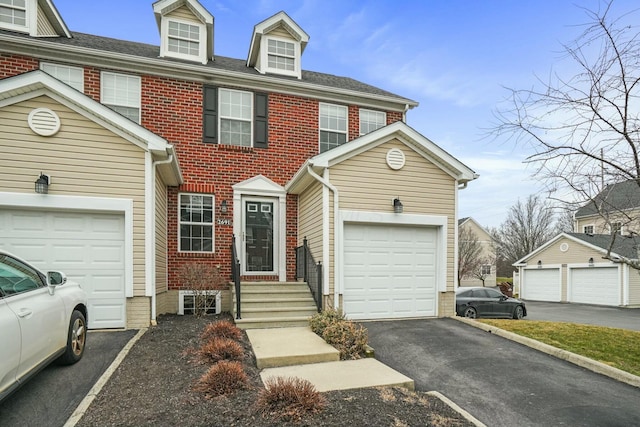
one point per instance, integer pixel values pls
(156, 386)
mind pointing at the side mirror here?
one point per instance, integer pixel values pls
(56, 278)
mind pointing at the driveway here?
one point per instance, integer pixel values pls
(614, 317)
(51, 396)
(500, 382)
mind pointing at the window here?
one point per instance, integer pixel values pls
(13, 14)
(196, 223)
(371, 120)
(616, 228)
(588, 229)
(16, 277)
(121, 93)
(333, 126)
(486, 270)
(183, 38)
(73, 76)
(281, 55)
(235, 117)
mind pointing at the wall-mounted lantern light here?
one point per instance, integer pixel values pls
(397, 205)
(42, 184)
(539, 264)
(591, 262)
(223, 207)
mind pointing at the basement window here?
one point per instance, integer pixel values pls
(209, 301)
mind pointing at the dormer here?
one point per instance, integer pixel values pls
(277, 45)
(186, 30)
(38, 18)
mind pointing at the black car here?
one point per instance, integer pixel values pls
(487, 302)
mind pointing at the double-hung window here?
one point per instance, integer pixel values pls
(121, 93)
(281, 55)
(235, 117)
(13, 14)
(333, 126)
(183, 38)
(73, 76)
(588, 229)
(371, 120)
(196, 223)
(486, 270)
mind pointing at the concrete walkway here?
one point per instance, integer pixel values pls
(298, 352)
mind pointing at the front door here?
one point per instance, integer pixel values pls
(259, 229)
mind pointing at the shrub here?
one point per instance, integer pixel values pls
(289, 398)
(223, 378)
(320, 321)
(218, 349)
(348, 338)
(200, 278)
(222, 329)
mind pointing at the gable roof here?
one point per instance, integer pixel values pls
(398, 130)
(470, 220)
(37, 83)
(624, 246)
(49, 10)
(614, 197)
(280, 19)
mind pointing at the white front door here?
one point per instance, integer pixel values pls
(260, 236)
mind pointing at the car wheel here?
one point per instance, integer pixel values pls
(470, 313)
(76, 339)
(518, 313)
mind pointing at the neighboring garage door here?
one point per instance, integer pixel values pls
(87, 247)
(541, 284)
(389, 271)
(595, 285)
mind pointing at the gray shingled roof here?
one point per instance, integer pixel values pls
(615, 197)
(626, 246)
(149, 51)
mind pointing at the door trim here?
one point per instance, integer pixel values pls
(275, 250)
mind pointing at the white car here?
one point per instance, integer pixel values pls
(42, 318)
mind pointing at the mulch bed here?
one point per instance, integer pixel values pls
(154, 386)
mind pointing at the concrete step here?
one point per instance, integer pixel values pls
(277, 312)
(273, 322)
(272, 286)
(269, 294)
(253, 302)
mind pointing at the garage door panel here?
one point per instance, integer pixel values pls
(106, 313)
(595, 285)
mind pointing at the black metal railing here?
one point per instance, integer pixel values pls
(309, 271)
(235, 274)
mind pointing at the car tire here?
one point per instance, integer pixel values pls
(76, 339)
(470, 313)
(518, 313)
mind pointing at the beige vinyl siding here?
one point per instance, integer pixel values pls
(634, 287)
(161, 235)
(184, 14)
(487, 252)
(600, 225)
(138, 312)
(366, 183)
(83, 159)
(310, 219)
(280, 32)
(576, 254)
(44, 27)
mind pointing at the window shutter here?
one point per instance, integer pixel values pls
(210, 114)
(260, 133)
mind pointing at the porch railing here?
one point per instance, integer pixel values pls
(309, 271)
(235, 274)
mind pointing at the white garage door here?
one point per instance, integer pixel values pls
(87, 247)
(595, 285)
(389, 271)
(541, 284)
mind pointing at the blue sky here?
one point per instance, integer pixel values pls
(455, 57)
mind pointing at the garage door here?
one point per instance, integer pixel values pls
(87, 247)
(595, 285)
(389, 271)
(541, 285)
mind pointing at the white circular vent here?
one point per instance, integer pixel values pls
(564, 247)
(44, 122)
(395, 159)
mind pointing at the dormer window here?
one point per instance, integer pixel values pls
(281, 54)
(184, 40)
(34, 17)
(13, 14)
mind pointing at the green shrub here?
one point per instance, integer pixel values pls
(289, 399)
(221, 329)
(320, 321)
(218, 349)
(348, 338)
(223, 378)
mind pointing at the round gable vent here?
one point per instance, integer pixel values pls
(44, 122)
(564, 247)
(395, 159)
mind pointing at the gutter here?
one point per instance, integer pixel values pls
(334, 190)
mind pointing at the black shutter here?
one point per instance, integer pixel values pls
(261, 128)
(210, 114)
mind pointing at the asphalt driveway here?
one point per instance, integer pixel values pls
(613, 317)
(500, 382)
(51, 396)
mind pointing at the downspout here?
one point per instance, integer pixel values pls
(153, 236)
(404, 113)
(334, 190)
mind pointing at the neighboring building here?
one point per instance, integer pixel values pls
(488, 267)
(158, 156)
(615, 208)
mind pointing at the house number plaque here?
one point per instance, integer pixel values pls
(224, 221)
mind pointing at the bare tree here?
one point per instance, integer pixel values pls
(585, 128)
(528, 226)
(484, 269)
(469, 253)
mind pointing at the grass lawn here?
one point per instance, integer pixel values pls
(619, 348)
